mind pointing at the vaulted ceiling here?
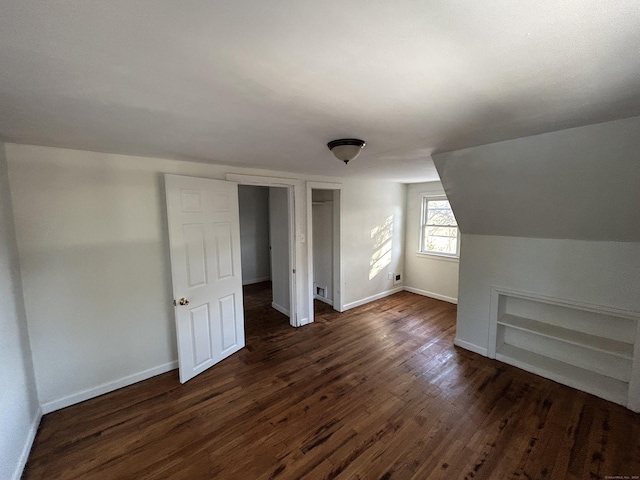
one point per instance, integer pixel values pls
(268, 84)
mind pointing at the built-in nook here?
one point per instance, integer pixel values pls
(588, 347)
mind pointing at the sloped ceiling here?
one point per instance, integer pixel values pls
(581, 183)
(268, 84)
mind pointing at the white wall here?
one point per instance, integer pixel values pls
(254, 233)
(600, 273)
(323, 241)
(372, 239)
(93, 247)
(279, 222)
(553, 214)
(18, 396)
(428, 275)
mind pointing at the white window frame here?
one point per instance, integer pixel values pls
(424, 199)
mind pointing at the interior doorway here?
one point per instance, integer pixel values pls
(323, 223)
(265, 243)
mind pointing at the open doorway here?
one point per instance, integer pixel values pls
(265, 249)
(324, 257)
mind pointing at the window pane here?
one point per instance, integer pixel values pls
(440, 240)
(448, 232)
(438, 212)
(442, 216)
(439, 228)
(439, 204)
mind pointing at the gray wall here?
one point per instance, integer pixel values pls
(279, 221)
(254, 233)
(322, 211)
(18, 397)
(581, 183)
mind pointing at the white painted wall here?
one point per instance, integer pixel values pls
(254, 233)
(93, 248)
(372, 238)
(322, 211)
(18, 396)
(600, 273)
(428, 275)
(279, 228)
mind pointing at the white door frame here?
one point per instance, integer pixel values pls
(338, 303)
(290, 185)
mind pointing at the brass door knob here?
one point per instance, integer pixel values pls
(183, 301)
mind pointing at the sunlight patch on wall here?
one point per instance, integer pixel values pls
(382, 236)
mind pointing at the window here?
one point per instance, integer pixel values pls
(439, 229)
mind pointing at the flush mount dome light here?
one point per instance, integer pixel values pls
(346, 149)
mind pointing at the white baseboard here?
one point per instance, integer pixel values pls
(437, 296)
(106, 387)
(378, 296)
(472, 347)
(251, 281)
(324, 300)
(303, 322)
(282, 310)
(26, 449)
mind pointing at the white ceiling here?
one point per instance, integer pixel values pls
(268, 84)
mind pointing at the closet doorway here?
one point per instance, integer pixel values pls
(265, 243)
(323, 226)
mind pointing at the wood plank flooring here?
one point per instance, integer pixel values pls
(378, 392)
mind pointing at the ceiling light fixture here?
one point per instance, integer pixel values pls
(346, 149)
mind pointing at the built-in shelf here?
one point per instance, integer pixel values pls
(612, 347)
(576, 377)
(587, 347)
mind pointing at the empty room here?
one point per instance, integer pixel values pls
(324, 240)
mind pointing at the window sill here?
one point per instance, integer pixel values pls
(438, 256)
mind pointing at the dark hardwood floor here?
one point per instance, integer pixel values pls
(378, 392)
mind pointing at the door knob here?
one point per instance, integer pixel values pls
(183, 301)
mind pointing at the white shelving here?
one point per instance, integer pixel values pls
(587, 347)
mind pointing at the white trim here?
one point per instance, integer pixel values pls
(633, 396)
(26, 449)
(337, 267)
(472, 347)
(107, 387)
(437, 296)
(260, 180)
(251, 281)
(429, 198)
(378, 296)
(564, 302)
(290, 184)
(439, 256)
(323, 299)
(303, 322)
(282, 310)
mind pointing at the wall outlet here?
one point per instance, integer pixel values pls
(390, 276)
(397, 278)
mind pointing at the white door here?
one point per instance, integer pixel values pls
(204, 237)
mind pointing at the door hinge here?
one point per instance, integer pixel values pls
(294, 270)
